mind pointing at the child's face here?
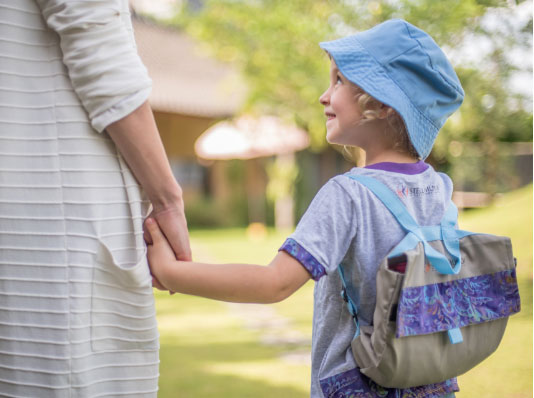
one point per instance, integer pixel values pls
(341, 109)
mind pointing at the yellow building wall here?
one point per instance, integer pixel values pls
(179, 133)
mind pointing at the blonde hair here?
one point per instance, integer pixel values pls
(397, 132)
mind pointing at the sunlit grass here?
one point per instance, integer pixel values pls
(508, 372)
(207, 350)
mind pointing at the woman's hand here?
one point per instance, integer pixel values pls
(171, 220)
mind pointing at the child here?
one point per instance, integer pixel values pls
(391, 89)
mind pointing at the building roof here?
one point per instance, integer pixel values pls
(184, 80)
(251, 137)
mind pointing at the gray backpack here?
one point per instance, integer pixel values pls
(443, 300)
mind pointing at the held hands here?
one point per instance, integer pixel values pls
(171, 226)
(233, 282)
(160, 255)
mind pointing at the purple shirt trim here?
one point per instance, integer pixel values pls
(402, 168)
(300, 254)
(443, 306)
(354, 384)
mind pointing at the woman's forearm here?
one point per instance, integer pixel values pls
(138, 140)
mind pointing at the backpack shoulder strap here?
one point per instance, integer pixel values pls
(352, 306)
(446, 231)
(389, 199)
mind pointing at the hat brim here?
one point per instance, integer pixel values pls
(359, 67)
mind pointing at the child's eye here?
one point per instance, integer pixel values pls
(338, 80)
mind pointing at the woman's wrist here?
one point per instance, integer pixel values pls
(167, 199)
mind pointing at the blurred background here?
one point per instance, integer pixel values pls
(235, 96)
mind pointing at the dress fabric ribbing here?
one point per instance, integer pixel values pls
(77, 315)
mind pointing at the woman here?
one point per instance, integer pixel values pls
(76, 306)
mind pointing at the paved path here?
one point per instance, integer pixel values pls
(275, 330)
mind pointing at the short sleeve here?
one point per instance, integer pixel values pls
(325, 231)
(100, 55)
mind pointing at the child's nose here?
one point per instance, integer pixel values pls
(324, 99)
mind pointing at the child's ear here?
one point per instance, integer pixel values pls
(384, 111)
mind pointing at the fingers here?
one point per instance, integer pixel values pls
(174, 226)
(146, 234)
(152, 230)
(157, 284)
(159, 252)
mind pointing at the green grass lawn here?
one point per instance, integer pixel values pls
(208, 350)
(508, 372)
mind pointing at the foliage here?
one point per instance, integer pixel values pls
(275, 44)
(228, 209)
(209, 212)
(282, 174)
(277, 53)
(488, 119)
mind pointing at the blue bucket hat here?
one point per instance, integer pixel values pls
(401, 66)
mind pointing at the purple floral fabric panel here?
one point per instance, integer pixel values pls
(353, 384)
(300, 254)
(443, 306)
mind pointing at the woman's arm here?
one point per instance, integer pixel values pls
(112, 83)
(138, 140)
(242, 283)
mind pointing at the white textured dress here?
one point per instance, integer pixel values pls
(77, 312)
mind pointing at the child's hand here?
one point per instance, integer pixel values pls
(171, 221)
(160, 254)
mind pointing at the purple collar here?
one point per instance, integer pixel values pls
(402, 168)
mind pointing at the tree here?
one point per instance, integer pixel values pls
(275, 43)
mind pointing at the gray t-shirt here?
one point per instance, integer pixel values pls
(346, 224)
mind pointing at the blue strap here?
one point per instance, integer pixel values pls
(390, 200)
(351, 305)
(449, 232)
(415, 233)
(430, 233)
(455, 336)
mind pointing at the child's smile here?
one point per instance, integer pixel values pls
(329, 116)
